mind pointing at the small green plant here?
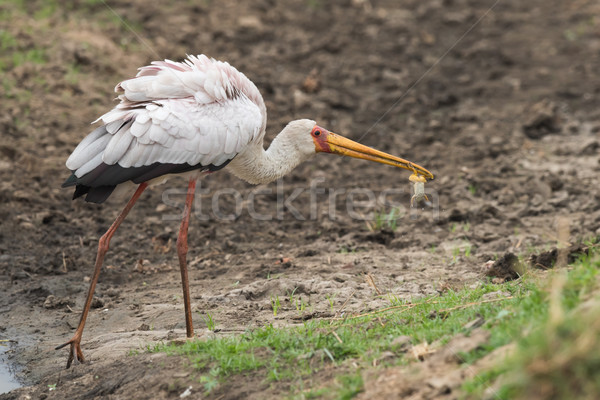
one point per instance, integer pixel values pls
(472, 189)
(297, 301)
(36, 56)
(8, 85)
(346, 250)
(591, 241)
(300, 307)
(384, 220)
(394, 300)
(7, 40)
(72, 75)
(350, 385)
(133, 352)
(457, 250)
(331, 300)
(291, 299)
(210, 382)
(275, 304)
(209, 321)
(580, 30)
(45, 11)
(455, 255)
(465, 226)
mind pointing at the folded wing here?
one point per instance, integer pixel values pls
(172, 118)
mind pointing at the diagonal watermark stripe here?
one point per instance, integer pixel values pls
(126, 25)
(415, 83)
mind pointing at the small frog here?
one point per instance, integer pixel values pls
(419, 188)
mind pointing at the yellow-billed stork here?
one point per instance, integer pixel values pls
(191, 117)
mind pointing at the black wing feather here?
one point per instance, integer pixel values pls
(99, 183)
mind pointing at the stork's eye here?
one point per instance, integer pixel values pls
(317, 133)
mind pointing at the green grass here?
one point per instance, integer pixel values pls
(465, 226)
(7, 40)
(72, 75)
(47, 9)
(289, 354)
(347, 250)
(559, 358)
(12, 55)
(383, 220)
(211, 325)
(36, 56)
(275, 304)
(298, 302)
(295, 355)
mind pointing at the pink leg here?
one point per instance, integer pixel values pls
(75, 353)
(182, 249)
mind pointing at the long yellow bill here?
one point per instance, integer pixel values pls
(330, 142)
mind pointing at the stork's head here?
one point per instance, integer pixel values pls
(299, 141)
(329, 142)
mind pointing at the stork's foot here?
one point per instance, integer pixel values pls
(180, 341)
(75, 353)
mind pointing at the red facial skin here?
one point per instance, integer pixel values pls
(319, 136)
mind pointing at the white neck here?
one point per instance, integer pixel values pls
(291, 147)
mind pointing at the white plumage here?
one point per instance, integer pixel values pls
(199, 112)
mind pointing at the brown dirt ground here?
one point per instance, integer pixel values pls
(508, 120)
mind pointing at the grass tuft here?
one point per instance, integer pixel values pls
(559, 356)
(383, 220)
(289, 354)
